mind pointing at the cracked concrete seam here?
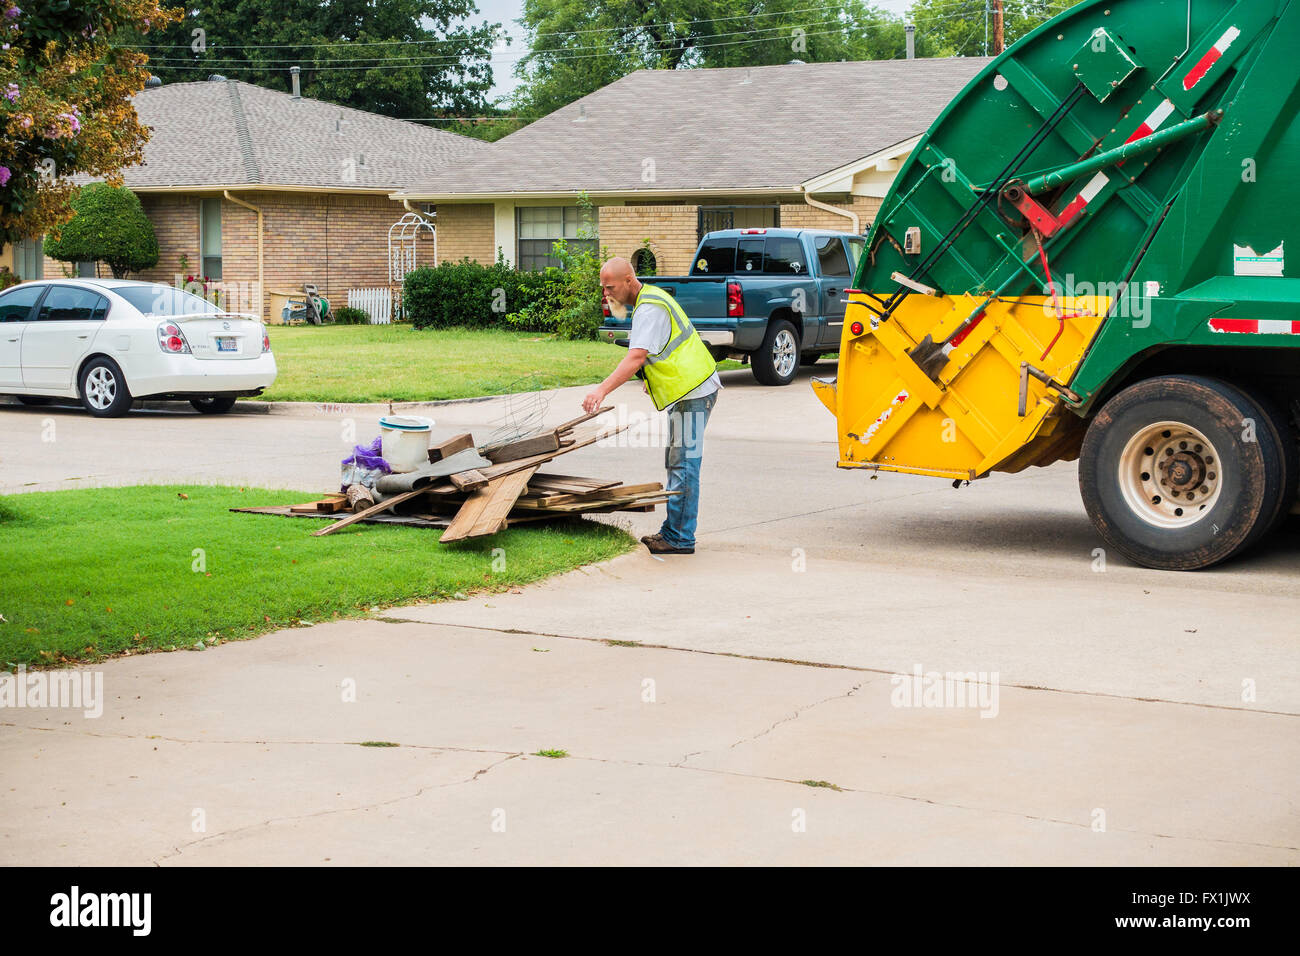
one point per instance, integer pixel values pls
(516, 631)
(179, 850)
(771, 727)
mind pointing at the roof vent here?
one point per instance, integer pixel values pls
(152, 83)
(216, 78)
(582, 114)
(293, 74)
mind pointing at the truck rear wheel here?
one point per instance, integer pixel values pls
(777, 359)
(1181, 472)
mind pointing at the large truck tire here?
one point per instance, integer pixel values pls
(1284, 433)
(777, 359)
(1181, 472)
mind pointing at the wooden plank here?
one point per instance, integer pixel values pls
(510, 467)
(415, 521)
(485, 510)
(470, 480)
(522, 448)
(493, 518)
(325, 504)
(574, 422)
(578, 507)
(595, 496)
(372, 510)
(569, 484)
(451, 446)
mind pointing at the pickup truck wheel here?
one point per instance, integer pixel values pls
(1181, 472)
(213, 404)
(103, 389)
(777, 358)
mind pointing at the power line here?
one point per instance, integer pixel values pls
(217, 61)
(613, 29)
(552, 56)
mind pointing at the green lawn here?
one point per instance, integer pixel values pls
(379, 363)
(90, 573)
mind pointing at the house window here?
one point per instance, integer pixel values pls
(29, 259)
(539, 226)
(210, 237)
(713, 218)
(85, 269)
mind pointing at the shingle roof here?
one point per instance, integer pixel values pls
(732, 129)
(228, 133)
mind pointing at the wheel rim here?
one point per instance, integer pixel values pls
(784, 353)
(101, 387)
(1170, 475)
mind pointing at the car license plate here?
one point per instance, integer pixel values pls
(227, 343)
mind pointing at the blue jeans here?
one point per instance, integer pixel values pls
(682, 458)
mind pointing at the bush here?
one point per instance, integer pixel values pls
(110, 226)
(467, 294)
(350, 316)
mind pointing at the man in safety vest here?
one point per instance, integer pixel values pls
(681, 376)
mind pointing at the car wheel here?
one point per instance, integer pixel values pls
(213, 404)
(777, 358)
(103, 389)
(1181, 472)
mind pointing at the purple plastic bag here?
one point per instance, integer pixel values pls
(367, 457)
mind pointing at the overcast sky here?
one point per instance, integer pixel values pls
(506, 12)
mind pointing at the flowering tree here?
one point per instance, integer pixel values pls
(65, 103)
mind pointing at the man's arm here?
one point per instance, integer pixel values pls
(624, 371)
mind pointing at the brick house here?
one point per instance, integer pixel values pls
(265, 190)
(667, 155)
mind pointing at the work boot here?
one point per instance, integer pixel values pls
(656, 544)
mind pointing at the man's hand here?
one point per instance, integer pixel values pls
(593, 401)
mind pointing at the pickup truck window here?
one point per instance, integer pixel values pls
(831, 257)
(784, 256)
(856, 247)
(749, 255)
(717, 257)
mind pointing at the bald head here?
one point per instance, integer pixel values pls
(618, 281)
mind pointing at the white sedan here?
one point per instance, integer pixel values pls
(111, 341)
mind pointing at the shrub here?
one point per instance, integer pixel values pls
(110, 226)
(467, 294)
(347, 315)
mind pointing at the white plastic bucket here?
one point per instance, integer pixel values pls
(404, 441)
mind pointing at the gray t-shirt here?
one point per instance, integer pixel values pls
(651, 328)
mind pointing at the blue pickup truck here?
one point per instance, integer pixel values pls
(772, 297)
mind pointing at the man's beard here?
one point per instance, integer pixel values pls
(617, 309)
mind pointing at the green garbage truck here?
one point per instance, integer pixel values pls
(1094, 254)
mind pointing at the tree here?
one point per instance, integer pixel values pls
(409, 59)
(958, 27)
(65, 104)
(578, 46)
(109, 226)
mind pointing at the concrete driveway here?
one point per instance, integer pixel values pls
(1122, 715)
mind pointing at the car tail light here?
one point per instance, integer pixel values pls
(171, 339)
(856, 328)
(753, 232)
(266, 340)
(735, 301)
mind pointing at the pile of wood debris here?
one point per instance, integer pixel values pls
(473, 491)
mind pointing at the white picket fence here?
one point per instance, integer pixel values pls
(377, 303)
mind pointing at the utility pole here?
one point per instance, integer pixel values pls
(998, 43)
(986, 27)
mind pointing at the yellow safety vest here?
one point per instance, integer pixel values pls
(684, 363)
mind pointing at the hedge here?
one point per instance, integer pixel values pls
(471, 295)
